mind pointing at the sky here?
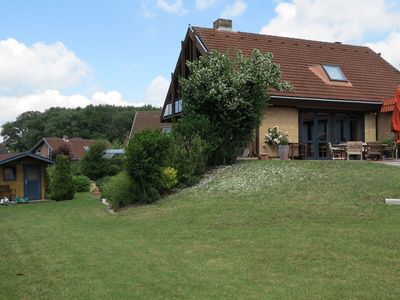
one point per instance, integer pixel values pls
(72, 53)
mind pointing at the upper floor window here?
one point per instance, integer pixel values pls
(178, 106)
(334, 72)
(168, 110)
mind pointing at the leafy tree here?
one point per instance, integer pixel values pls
(230, 93)
(95, 122)
(93, 163)
(61, 184)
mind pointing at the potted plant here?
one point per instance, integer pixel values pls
(280, 140)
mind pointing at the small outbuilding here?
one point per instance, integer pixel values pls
(23, 175)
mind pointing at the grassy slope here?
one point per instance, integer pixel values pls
(258, 230)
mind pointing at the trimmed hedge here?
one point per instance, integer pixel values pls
(81, 183)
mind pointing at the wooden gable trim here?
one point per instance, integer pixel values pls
(191, 38)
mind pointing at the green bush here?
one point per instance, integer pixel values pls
(121, 190)
(93, 163)
(102, 182)
(81, 183)
(146, 155)
(61, 184)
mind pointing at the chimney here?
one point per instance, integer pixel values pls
(65, 138)
(223, 24)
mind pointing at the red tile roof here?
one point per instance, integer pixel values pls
(145, 120)
(371, 77)
(6, 155)
(387, 105)
(77, 145)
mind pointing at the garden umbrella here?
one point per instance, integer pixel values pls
(396, 115)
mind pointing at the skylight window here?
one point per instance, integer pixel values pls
(334, 72)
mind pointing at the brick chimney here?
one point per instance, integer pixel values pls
(223, 24)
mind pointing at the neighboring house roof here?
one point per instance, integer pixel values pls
(371, 78)
(147, 120)
(387, 105)
(78, 146)
(3, 148)
(10, 157)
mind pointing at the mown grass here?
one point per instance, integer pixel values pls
(263, 230)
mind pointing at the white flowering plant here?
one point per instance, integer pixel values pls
(276, 137)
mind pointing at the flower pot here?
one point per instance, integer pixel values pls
(283, 152)
(264, 156)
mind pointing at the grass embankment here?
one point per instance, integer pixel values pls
(256, 230)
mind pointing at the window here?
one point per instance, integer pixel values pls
(178, 106)
(10, 173)
(334, 72)
(168, 110)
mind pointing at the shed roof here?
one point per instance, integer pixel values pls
(10, 157)
(371, 77)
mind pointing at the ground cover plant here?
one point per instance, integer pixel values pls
(262, 230)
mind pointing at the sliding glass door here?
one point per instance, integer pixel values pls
(318, 128)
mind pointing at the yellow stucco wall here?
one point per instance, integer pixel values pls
(370, 127)
(287, 120)
(18, 184)
(384, 126)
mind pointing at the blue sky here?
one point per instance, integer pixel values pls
(73, 53)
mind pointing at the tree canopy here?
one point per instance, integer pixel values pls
(230, 92)
(93, 122)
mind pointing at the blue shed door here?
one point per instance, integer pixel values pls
(32, 182)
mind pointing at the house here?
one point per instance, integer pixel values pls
(77, 146)
(337, 88)
(148, 120)
(23, 175)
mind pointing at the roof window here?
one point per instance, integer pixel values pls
(334, 72)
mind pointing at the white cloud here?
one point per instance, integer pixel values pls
(235, 9)
(389, 48)
(146, 12)
(156, 91)
(333, 20)
(173, 7)
(204, 4)
(353, 21)
(40, 66)
(12, 106)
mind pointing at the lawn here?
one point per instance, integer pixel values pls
(262, 229)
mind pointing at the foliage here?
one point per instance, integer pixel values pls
(92, 122)
(93, 163)
(102, 182)
(276, 137)
(390, 141)
(188, 152)
(168, 178)
(63, 149)
(146, 155)
(121, 190)
(61, 184)
(230, 93)
(81, 183)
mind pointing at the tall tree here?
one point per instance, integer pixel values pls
(231, 93)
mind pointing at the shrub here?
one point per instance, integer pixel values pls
(81, 183)
(102, 182)
(61, 185)
(93, 163)
(168, 178)
(63, 149)
(121, 190)
(146, 155)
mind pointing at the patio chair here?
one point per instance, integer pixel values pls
(355, 148)
(374, 151)
(336, 152)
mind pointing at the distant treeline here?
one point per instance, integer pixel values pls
(95, 122)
